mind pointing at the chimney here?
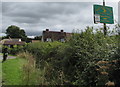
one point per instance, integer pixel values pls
(62, 31)
(47, 29)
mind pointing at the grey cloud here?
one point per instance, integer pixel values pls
(38, 11)
(25, 20)
(34, 33)
(119, 12)
(0, 17)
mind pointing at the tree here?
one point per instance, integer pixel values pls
(15, 32)
(38, 38)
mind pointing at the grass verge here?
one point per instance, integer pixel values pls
(12, 71)
(0, 73)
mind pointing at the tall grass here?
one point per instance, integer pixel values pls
(39, 76)
(28, 68)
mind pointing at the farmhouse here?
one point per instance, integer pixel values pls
(12, 42)
(49, 36)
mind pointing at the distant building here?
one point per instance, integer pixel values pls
(11, 42)
(34, 41)
(49, 36)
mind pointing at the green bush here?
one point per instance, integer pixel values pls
(13, 51)
(75, 62)
(90, 48)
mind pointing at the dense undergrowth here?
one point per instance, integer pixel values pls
(85, 60)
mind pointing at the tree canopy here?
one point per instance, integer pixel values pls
(15, 32)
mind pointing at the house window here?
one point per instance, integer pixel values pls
(48, 40)
(9, 45)
(19, 40)
(62, 40)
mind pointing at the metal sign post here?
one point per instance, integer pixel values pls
(104, 24)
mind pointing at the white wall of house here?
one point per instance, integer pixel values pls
(48, 40)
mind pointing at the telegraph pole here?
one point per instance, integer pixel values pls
(104, 24)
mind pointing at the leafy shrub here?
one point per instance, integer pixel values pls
(13, 51)
(75, 62)
(91, 48)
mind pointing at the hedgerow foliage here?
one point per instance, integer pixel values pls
(13, 51)
(77, 62)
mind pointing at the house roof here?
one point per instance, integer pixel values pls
(55, 35)
(13, 43)
(16, 39)
(54, 32)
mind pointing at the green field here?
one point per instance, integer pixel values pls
(0, 72)
(12, 71)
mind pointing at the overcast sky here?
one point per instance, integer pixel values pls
(34, 17)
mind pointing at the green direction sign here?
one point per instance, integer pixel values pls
(103, 14)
